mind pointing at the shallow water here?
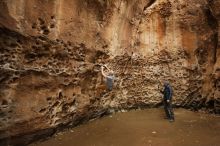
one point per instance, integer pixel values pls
(143, 128)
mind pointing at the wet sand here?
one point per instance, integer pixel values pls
(143, 128)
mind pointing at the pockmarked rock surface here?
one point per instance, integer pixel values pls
(51, 52)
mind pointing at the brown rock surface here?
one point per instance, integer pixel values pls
(51, 51)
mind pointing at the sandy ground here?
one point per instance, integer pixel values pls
(143, 128)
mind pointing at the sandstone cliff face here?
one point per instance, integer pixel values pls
(51, 53)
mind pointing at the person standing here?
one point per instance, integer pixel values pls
(167, 99)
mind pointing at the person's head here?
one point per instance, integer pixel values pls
(166, 83)
(111, 73)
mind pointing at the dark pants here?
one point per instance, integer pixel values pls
(168, 110)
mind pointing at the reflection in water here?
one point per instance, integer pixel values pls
(143, 128)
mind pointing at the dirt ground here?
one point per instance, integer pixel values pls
(143, 128)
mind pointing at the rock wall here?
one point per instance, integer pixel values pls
(51, 52)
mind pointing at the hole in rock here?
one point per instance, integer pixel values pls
(34, 26)
(46, 32)
(52, 25)
(65, 45)
(56, 104)
(37, 43)
(43, 27)
(47, 46)
(4, 102)
(30, 56)
(13, 45)
(2, 114)
(4, 119)
(49, 98)
(34, 47)
(210, 104)
(69, 43)
(41, 21)
(42, 110)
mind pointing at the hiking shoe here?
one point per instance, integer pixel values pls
(171, 120)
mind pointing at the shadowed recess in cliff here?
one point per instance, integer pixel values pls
(213, 23)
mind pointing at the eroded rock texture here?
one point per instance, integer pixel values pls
(51, 52)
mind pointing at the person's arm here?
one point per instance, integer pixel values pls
(171, 93)
(102, 68)
(107, 67)
(169, 90)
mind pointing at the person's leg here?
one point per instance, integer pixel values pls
(109, 85)
(170, 111)
(110, 88)
(166, 109)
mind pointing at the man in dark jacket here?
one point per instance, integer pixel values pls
(167, 99)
